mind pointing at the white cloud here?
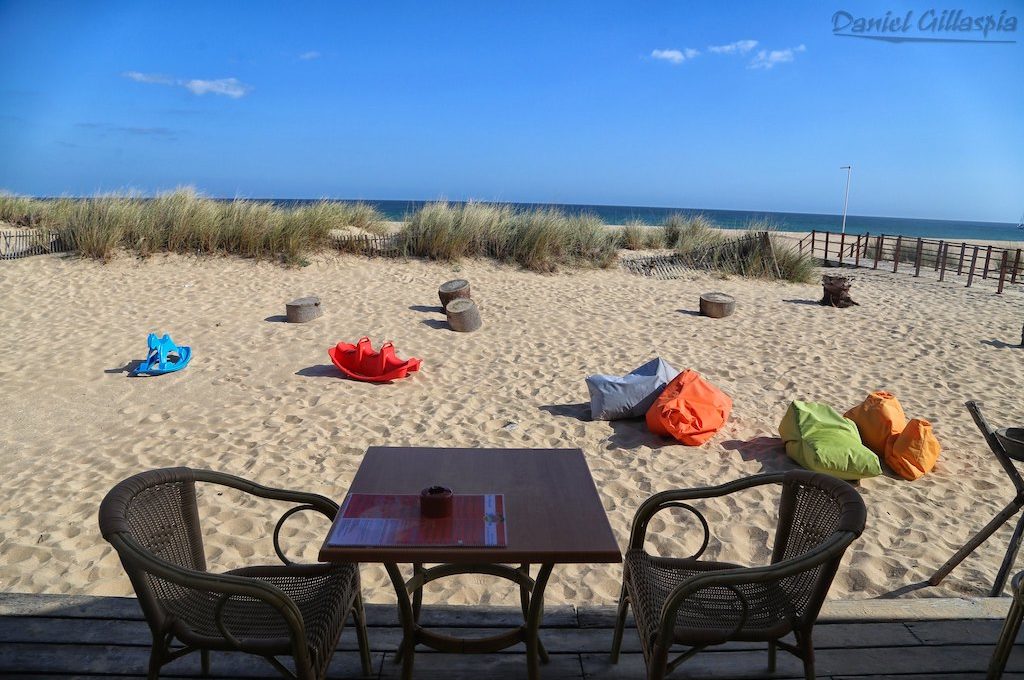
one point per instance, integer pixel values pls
(227, 87)
(148, 78)
(769, 58)
(675, 56)
(740, 46)
(307, 56)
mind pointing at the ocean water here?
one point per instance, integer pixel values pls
(739, 219)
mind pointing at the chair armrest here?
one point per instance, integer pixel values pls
(307, 501)
(832, 547)
(676, 498)
(227, 585)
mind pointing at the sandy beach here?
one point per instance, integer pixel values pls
(262, 401)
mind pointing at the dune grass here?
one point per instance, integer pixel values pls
(745, 255)
(183, 221)
(538, 239)
(638, 235)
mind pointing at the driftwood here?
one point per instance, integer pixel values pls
(303, 310)
(717, 305)
(453, 290)
(463, 315)
(837, 291)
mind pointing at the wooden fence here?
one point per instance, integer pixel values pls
(18, 244)
(946, 258)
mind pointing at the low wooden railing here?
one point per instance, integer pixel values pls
(957, 258)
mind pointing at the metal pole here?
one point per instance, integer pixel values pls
(846, 200)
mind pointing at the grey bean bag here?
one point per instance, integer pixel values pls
(613, 397)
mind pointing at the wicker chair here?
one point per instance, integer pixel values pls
(701, 603)
(152, 520)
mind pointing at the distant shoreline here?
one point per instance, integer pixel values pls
(615, 215)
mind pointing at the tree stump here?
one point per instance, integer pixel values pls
(453, 290)
(463, 315)
(303, 310)
(717, 305)
(837, 291)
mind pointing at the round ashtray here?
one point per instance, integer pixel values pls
(1012, 439)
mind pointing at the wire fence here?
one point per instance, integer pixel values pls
(1004, 266)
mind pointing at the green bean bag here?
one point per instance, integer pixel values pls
(820, 439)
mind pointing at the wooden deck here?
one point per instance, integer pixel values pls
(65, 637)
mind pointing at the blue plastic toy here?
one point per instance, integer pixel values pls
(164, 356)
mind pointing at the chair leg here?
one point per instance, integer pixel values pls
(806, 647)
(620, 624)
(1007, 637)
(204, 661)
(156, 657)
(359, 616)
(771, 656)
(657, 667)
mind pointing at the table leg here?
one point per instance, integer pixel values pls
(533, 621)
(407, 650)
(999, 520)
(1008, 560)
(524, 601)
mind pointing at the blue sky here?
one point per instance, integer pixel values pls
(588, 102)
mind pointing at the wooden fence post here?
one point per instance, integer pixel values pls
(879, 242)
(974, 260)
(896, 256)
(867, 242)
(943, 256)
(813, 232)
(842, 246)
(1002, 272)
(826, 247)
(960, 265)
(856, 260)
(988, 258)
(917, 257)
(937, 253)
(1016, 267)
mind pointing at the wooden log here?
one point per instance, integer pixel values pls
(463, 315)
(717, 305)
(303, 310)
(453, 290)
(836, 291)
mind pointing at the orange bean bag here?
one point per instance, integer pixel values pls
(690, 409)
(878, 417)
(913, 452)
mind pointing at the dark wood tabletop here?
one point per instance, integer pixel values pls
(553, 513)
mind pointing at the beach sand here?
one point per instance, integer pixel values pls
(261, 400)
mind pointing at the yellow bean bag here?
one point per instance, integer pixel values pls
(878, 418)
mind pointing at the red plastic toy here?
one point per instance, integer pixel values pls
(360, 362)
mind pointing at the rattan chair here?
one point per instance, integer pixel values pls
(152, 520)
(699, 603)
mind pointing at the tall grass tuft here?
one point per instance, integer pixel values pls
(540, 239)
(183, 221)
(749, 255)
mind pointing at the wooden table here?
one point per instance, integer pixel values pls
(553, 516)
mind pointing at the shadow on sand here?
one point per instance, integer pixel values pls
(128, 368)
(277, 318)
(427, 309)
(320, 371)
